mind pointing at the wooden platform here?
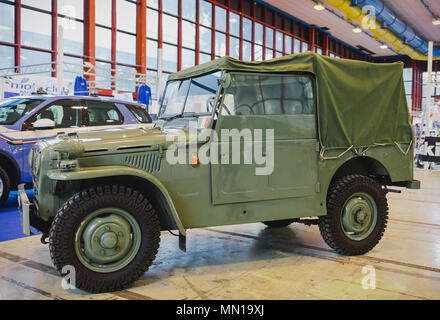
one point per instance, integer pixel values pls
(253, 262)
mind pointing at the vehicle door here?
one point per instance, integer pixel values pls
(102, 115)
(282, 108)
(66, 115)
(140, 116)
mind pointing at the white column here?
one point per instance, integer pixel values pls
(159, 72)
(60, 60)
(429, 89)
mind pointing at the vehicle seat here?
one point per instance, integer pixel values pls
(246, 97)
(99, 117)
(69, 118)
(47, 114)
(295, 98)
(12, 117)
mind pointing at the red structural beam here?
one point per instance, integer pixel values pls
(197, 32)
(227, 28)
(54, 35)
(141, 36)
(312, 37)
(89, 34)
(159, 35)
(113, 64)
(327, 44)
(213, 31)
(264, 33)
(241, 30)
(17, 33)
(179, 36)
(288, 26)
(253, 33)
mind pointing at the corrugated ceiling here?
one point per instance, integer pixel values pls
(411, 12)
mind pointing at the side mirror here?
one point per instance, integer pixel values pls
(225, 81)
(44, 124)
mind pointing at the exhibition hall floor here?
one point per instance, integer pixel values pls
(253, 262)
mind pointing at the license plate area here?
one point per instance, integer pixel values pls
(24, 208)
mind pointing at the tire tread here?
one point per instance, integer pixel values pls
(75, 209)
(337, 195)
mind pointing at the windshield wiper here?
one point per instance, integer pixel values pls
(191, 114)
(174, 117)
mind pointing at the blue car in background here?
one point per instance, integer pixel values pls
(27, 120)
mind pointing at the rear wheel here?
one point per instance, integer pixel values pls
(279, 223)
(5, 187)
(357, 214)
(109, 234)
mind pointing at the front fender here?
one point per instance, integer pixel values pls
(109, 171)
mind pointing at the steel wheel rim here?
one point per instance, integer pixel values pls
(359, 216)
(107, 240)
(1, 187)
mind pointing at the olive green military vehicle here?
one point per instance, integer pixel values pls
(328, 139)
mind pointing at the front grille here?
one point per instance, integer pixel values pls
(35, 163)
(149, 162)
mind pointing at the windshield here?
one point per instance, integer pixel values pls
(195, 96)
(11, 110)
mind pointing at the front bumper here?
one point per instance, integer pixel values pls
(24, 207)
(414, 184)
(29, 214)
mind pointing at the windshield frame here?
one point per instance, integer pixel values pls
(28, 100)
(183, 113)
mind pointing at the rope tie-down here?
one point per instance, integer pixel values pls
(361, 151)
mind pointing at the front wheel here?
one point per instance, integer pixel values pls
(5, 187)
(109, 235)
(357, 214)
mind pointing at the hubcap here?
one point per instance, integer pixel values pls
(359, 216)
(107, 240)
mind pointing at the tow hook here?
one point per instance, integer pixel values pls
(43, 238)
(386, 190)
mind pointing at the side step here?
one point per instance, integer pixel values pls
(182, 242)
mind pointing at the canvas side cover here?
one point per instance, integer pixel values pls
(359, 104)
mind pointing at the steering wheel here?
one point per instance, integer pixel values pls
(210, 103)
(226, 108)
(243, 106)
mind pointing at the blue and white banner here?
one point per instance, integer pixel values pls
(25, 85)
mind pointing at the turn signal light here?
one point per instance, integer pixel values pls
(194, 160)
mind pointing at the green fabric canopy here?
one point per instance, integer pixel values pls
(359, 103)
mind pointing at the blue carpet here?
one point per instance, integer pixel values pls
(10, 223)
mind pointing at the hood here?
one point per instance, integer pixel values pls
(119, 139)
(4, 129)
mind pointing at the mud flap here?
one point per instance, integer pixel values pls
(182, 242)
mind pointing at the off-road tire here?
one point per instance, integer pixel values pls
(278, 223)
(76, 209)
(330, 225)
(6, 187)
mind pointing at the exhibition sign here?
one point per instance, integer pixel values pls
(432, 150)
(25, 85)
